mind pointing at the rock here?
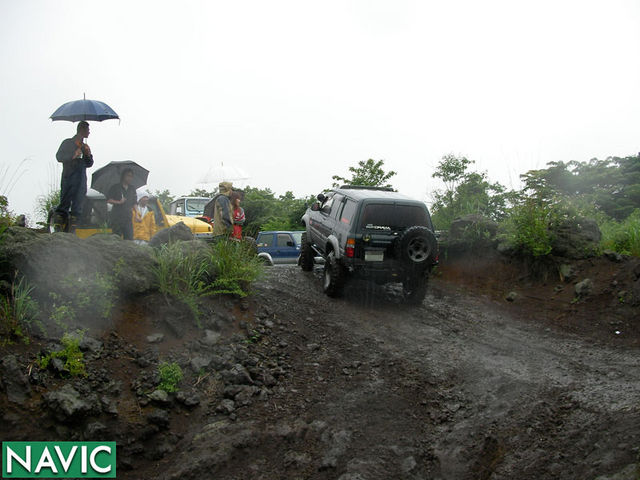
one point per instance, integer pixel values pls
(86, 342)
(199, 363)
(567, 272)
(236, 375)
(176, 232)
(210, 337)
(408, 464)
(188, 399)
(337, 443)
(158, 417)
(108, 405)
(160, 396)
(576, 237)
(511, 296)
(226, 406)
(155, 337)
(57, 365)
(613, 256)
(68, 404)
(14, 382)
(57, 263)
(94, 431)
(584, 287)
(243, 397)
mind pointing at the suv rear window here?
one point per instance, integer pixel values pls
(392, 217)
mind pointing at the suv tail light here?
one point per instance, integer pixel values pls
(350, 249)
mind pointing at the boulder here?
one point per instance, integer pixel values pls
(176, 232)
(68, 404)
(584, 287)
(14, 382)
(50, 262)
(576, 237)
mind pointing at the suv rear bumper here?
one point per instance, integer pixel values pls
(386, 271)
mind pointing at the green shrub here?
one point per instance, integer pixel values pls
(182, 274)
(624, 236)
(46, 203)
(526, 230)
(71, 354)
(18, 310)
(235, 267)
(84, 296)
(170, 376)
(187, 274)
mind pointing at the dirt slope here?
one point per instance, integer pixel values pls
(292, 385)
(455, 389)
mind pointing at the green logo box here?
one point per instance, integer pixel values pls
(58, 459)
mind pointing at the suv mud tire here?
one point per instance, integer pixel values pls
(415, 246)
(414, 290)
(334, 276)
(306, 254)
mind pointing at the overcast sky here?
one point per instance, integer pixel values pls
(294, 92)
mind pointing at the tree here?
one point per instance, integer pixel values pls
(201, 192)
(466, 192)
(451, 170)
(165, 198)
(369, 173)
(265, 211)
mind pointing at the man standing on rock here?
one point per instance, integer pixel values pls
(223, 212)
(76, 157)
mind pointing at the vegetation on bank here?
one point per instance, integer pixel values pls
(188, 272)
(607, 191)
(170, 376)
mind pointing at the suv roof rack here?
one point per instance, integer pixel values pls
(366, 187)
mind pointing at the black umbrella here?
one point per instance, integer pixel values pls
(104, 178)
(84, 110)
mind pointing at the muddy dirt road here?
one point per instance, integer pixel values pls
(454, 389)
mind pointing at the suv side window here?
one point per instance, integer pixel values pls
(283, 238)
(266, 240)
(326, 206)
(337, 205)
(348, 212)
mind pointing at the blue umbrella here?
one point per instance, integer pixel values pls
(84, 110)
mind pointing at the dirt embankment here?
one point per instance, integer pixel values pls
(598, 298)
(291, 384)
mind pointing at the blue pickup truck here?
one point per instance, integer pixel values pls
(279, 247)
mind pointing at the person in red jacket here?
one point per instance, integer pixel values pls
(238, 215)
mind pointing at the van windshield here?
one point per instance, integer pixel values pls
(196, 205)
(393, 217)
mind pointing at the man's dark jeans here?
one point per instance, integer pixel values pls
(73, 189)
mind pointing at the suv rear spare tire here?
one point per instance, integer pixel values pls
(415, 246)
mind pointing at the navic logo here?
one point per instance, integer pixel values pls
(58, 459)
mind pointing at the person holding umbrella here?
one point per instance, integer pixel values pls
(123, 197)
(76, 157)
